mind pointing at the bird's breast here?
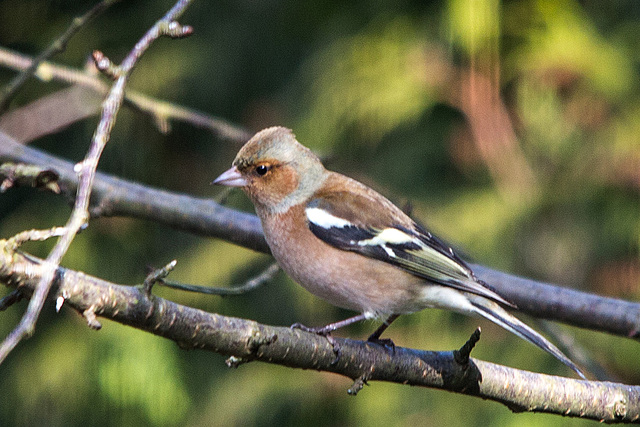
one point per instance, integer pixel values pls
(344, 279)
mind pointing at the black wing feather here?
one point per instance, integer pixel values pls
(425, 256)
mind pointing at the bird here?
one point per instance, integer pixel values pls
(349, 245)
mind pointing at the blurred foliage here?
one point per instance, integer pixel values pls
(340, 82)
(379, 88)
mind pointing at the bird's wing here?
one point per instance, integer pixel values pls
(354, 222)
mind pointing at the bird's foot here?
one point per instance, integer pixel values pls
(325, 332)
(385, 342)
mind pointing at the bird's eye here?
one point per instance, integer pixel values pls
(262, 169)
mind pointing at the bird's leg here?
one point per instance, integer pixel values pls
(375, 337)
(325, 331)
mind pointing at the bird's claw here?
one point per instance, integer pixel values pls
(385, 342)
(302, 327)
(322, 332)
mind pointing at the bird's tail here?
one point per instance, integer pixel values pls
(500, 316)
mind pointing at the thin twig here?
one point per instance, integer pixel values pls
(12, 174)
(157, 276)
(86, 171)
(57, 46)
(162, 111)
(11, 298)
(251, 284)
(34, 236)
(463, 354)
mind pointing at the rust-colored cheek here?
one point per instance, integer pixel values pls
(273, 189)
(286, 181)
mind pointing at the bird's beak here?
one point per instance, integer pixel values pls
(231, 178)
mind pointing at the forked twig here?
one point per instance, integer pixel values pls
(87, 169)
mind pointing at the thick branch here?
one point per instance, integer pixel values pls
(246, 340)
(113, 196)
(117, 197)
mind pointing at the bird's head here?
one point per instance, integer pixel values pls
(275, 170)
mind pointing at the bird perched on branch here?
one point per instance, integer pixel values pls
(351, 246)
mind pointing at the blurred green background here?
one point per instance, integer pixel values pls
(511, 127)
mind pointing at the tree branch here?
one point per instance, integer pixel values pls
(86, 171)
(162, 111)
(117, 197)
(245, 340)
(113, 196)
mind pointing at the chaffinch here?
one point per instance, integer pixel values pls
(349, 245)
